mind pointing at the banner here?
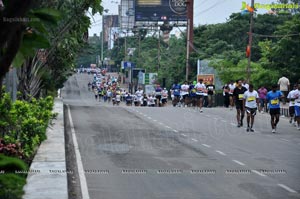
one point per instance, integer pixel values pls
(207, 78)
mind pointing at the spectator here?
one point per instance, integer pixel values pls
(284, 84)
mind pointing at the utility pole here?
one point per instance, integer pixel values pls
(250, 42)
(190, 34)
(158, 50)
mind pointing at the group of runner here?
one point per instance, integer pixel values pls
(192, 93)
(248, 100)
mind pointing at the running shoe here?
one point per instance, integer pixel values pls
(273, 131)
(248, 129)
(251, 130)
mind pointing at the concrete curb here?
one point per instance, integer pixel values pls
(48, 177)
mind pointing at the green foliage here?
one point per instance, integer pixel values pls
(23, 125)
(11, 184)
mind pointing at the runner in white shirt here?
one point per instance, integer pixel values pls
(184, 92)
(250, 103)
(139, 95)
(297, 106)
(201, 90)
(164, 96)
(231, 89)
(291, 99)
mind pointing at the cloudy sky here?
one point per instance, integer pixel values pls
(205, 11)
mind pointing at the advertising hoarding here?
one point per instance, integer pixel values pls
(160, 10)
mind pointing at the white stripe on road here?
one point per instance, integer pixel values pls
(206, 145)
(194, 140)
(82, 179)
(149, 118)
(220, 152)
(154, 120)
(287, 188)
(160, 123)
(183, 134)
(284, 140)
(259, 173)
(238, 162)
(168, 127)
(175, 131)
(233, 124)
(223, 121)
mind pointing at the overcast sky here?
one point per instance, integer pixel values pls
(205, 11)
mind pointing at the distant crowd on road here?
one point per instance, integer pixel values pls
(237, 94)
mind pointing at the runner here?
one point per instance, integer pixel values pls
(291, 99)
(273, 97)
(96, 93)
(193, 91)
(262, 91)
(185, 92)
(164, 96)
(201, 89)
(158, 90)
(226, 95)
(250, 104)
(238, 96)
(210, 92)
(176, 92)
(231, 87)
(139, 96)
(297, 106)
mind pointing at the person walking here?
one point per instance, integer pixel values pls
(273, 98)
(284, 86)
(250, 104)
(262, 93)
(297, 106)
(238, 96)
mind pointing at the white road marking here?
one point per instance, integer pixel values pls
(82, 179)
(175, 131)
(206, 145)
(223, 121)
(287, 188)
(220, 152)
(284, 140)
(168, 127)
(233, 124)
(216, 118)
(183, 134)
(149, 118)
(194, 140)
(160, 123)
(141, 113)
(154, 120)
(259, 173)
(238, 162)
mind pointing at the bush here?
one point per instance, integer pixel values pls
(11, 184)
(23, 125)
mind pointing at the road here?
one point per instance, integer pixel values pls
(179, 153)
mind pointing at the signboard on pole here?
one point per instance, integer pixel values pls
(160, 10)
(207, 78)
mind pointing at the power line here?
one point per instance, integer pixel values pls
(275, 36)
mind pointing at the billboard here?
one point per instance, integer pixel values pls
(109, 22)
(207, 78)
(160, 10)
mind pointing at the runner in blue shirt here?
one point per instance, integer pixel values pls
(273, 98)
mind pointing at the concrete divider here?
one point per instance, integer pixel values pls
(47, 178)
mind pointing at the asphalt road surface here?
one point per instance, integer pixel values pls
(180, 153)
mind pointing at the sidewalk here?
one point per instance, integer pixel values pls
(49, 179)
